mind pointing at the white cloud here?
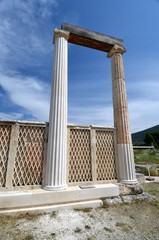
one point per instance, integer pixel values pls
(143, 114)
(94, 115)
(143, 95)
(26, 37)
(29, 93)
(11, 116)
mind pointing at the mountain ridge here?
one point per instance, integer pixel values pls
(138, 137)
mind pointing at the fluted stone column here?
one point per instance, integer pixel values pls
(125, 159)
(55, 167)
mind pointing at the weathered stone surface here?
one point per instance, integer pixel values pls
(91, 39)
(120, 105)
(130, 189)
(125, 158)
(112, 201)
(139, 197)
(144, 197)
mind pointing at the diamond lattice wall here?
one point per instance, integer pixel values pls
(5, 131)
(105, 155)
(29, 156)
(82, 155)
(80, 168)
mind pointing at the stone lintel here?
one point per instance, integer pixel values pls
(60, 33)
(91, 39)
(116, 49)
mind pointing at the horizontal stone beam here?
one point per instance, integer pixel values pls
(87, 38)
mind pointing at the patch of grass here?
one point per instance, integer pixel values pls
(53, 234)
(124, 227)
(109, 229)
(78, 230)
(2, 221)
(144, 171)
(28, 216)
(85, 210)
(146, 156)
(155, 204)
(105, 204)
(153, 192)
(53, 214)
(28, 237)
(91, 238)
(138, 151)
(152, 188)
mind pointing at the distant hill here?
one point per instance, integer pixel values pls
(138, 138)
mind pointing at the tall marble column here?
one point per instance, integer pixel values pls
(125, 159)
(55, 167)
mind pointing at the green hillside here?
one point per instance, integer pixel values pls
(138, 137)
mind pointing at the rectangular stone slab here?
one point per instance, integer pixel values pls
(10, 200)
(87, 38)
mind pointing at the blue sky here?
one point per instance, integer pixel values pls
(26, 57)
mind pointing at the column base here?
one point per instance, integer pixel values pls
(55, 188)
(129, 182)
(126, 166)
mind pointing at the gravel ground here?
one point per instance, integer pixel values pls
(137, 220)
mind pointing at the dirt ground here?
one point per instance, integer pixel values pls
(138, 220)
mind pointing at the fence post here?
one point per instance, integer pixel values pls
(45, 152)
(12, 154)
(116, 153)
(68, 154)
(93, 154)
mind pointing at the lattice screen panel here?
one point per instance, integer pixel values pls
(5, 131)
(29, 156)
(80, 169)
(105, 155)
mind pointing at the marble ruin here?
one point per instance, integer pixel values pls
(56, 161)
(66, 164)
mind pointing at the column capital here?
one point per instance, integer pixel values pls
(116, 49)
(60, 33)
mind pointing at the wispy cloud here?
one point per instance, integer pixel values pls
(11, 116)
(30, 93)
(26, 48)
(94, 115)
(24, 31)
(143, 95)
(143, 114)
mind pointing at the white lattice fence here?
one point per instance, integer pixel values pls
(22, 147)
(5, 131)
(105, 155)
(91, 154)
(80, 166)
(29, 156)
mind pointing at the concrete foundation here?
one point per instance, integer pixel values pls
(42, 201)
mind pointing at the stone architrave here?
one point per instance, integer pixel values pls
(55, 166)
(125, 164)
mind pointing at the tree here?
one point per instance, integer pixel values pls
(148, 139)
(156, 139)
(152, 139)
